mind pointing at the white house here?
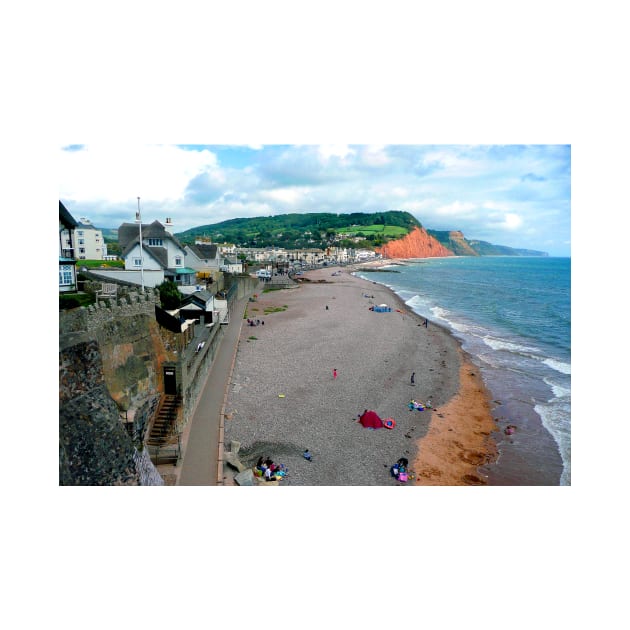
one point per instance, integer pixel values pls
(230, 266)
(160, 254)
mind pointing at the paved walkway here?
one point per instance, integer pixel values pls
(201, 438)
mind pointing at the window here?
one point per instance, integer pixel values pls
(80, 232)
(155, 242)
(81, 250)
(137, 262)
(66, 276)
(178, 261)
(81, 241)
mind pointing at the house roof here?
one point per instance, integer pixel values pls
(65, 217)
(198, 297)
(86, 226)
(129, 235)
(203, 251)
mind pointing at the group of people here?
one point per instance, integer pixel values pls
(255, 322)
(400, 470)
(269, 471)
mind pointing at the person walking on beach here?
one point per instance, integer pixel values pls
(334, 372)
(413, 378)
(425, 323)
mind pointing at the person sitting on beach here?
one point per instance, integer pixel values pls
(260, 467)
(268, 474)
(307, 455)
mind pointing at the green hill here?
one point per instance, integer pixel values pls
(314, 229)
(324, 229)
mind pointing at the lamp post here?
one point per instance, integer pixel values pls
(139, 222)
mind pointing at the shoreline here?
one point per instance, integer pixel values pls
(453, 449)
(283, 397)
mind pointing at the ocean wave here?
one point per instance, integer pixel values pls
(502, 344)
(558, 366)
(441, 313)
(559, 391)
(556, 419)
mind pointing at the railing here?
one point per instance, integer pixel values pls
(170, 454)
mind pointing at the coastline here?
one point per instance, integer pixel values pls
(283, 397)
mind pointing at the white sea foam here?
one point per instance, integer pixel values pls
(558, 390)
(502, 344)
(559, 366)
(556, 420)
(440, 313)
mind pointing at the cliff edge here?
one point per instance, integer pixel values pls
(417, 244)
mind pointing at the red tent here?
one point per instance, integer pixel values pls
(370, 419)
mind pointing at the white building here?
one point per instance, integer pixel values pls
(89, 242)
(160, 256)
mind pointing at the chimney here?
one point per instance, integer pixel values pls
(168, 226)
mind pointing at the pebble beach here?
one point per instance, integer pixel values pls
(284, 397)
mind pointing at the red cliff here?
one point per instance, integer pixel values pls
(417, 244)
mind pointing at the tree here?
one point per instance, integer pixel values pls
(170, 297)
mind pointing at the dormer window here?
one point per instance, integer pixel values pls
(155, 242)
(178, 261)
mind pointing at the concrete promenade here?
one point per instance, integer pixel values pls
(202, 440)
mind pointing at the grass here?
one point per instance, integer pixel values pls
(97, 264)
(275, 309)
(385, 230)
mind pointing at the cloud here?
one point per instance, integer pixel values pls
(121, 174)
(341, 151)
(374, 156)
(521, 193)
(291, 196)
(457, 208)
(511, 221)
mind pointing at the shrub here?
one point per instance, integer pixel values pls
(170, 297)
(74, 300)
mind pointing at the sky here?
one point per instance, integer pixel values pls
(514, 195)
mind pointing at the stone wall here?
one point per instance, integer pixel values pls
(147, 473)
(111, 357)
(94, 447)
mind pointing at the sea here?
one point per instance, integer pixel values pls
(512, 316)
